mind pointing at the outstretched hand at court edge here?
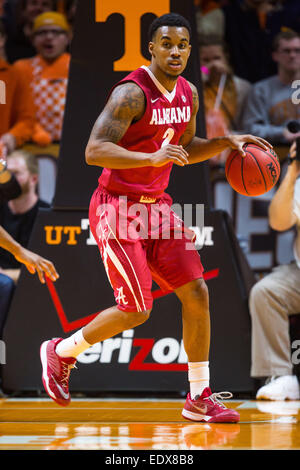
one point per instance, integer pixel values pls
(34, 262)
(238, 141)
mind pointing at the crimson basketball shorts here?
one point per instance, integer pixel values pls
(139, 243)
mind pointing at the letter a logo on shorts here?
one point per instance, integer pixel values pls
(121, 297)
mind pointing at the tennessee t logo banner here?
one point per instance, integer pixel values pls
(132, 11)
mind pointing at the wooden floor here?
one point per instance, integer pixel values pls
(94, 424)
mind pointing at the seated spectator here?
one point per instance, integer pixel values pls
(270, 106)
(19, 27)
(47, 73)
(250, 26)
(277, 296)
(10, 189)
(17, 113)
(224, 93)
(18, 215)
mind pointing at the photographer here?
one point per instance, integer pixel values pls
(277, 296)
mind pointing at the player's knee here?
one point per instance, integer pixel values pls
(137, 318)
(197, 294)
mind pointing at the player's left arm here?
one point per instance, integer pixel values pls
(200, 150)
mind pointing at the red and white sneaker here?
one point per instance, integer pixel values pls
(208, 408)
(56, 372)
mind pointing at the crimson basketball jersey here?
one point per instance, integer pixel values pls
(164, 121)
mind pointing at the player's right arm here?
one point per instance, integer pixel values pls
(125, 106)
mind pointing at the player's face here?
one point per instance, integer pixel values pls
(50, 41)
(170, 50)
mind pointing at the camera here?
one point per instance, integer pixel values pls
(294, 128)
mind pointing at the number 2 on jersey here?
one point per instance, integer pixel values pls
(168, 136)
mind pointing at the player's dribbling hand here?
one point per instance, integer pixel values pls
(169, 153)
(238, 141)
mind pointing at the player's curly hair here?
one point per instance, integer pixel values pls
(169, 19)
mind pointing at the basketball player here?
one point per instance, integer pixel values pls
(147, 125)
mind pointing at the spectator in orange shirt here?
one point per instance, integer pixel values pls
(47, 73)
(16, 105)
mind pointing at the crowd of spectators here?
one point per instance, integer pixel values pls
(35, 37)
(34, 50)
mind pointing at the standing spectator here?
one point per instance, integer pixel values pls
(16, 110)
(19, 28)
(47, 73)
(270, 105)
(224, 93)
(215, 59)
(249, 31)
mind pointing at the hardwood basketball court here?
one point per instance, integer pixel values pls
(146, 424)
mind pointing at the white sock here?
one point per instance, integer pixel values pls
(72, 346)
(198, 374)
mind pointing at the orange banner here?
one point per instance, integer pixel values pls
(132, 11)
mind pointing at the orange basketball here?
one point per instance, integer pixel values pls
(254, 174)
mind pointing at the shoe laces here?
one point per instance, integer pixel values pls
(215, 397)
(66, 370)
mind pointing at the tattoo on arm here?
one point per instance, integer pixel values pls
(125, 105)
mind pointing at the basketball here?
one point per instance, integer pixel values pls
(254, 174)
